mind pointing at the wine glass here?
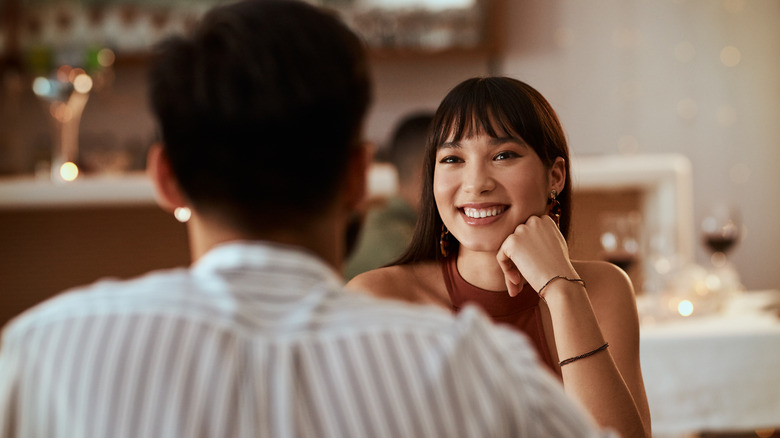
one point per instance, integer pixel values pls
(721, 229)
(619, 238)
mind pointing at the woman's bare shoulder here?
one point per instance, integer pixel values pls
(609, 288)
(381, 281)
(603, 276)
(416, 282)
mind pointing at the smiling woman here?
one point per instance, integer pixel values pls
(485, 186)
(495, 213)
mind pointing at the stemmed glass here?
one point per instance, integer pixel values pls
(721, 229)
(620, 239)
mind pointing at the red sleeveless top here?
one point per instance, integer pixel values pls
(521, 312)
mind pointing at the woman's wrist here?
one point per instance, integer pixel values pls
(561, 277)
(561, 282)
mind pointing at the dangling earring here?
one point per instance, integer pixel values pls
(182, 214)
(554, 208)
(444, 242)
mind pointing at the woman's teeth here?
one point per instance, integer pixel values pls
(483, 212)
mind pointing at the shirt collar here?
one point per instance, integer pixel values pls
(264, 255)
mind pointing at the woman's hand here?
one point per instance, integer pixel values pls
(534, 253)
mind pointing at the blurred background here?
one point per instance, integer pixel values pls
(670, 108)
(692, 77)
(696, 79)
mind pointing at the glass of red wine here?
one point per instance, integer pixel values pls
(721, 230)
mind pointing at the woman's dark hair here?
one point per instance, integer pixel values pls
(260, 108)
(487, 105)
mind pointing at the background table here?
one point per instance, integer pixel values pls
(716, 373)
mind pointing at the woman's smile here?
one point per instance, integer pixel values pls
(482, 215)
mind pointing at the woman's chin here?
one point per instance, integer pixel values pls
(486, 247)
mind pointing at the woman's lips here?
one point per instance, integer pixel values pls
(482, 215)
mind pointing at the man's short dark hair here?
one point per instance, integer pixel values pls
(259, 109)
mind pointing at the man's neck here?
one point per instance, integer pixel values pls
(324, 238)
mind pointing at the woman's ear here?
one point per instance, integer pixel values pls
(158, 168)
(557, 175)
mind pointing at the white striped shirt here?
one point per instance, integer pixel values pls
(257, 340)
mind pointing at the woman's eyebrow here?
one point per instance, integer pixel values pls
(450, 145)
(499, 141)
(493, 142)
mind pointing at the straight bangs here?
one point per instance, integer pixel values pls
(481, 107)
(497, 107)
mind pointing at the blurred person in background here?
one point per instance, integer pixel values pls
(388, 225)
(261, 112)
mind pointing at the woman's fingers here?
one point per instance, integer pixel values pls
(533, 253)
(512, 277)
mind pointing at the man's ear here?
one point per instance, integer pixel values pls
(557, 175)
(158, 168)
(356, 183)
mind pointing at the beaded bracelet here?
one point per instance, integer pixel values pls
(562, 278)
(582, 356)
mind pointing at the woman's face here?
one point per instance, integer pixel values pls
(485, 187)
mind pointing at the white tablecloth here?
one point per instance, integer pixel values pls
(714, 373)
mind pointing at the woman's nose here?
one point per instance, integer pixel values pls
(477, 179)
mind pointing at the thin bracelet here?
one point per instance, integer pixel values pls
(562, 278)
(582, 356)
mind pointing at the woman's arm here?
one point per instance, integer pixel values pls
(609, 382)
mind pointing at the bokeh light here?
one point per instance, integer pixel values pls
(687, 108)
(42, 86)
(106, 57)
(685, 308)
(82, 83)
(69, 171)
(730, 56)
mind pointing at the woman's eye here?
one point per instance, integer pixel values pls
(505, 155)
(449, 159)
